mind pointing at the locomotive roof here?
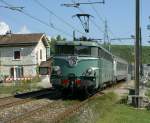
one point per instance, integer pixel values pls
(83, 43)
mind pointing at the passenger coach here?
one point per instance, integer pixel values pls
(120, 69)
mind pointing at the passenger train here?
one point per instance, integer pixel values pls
(85, 66)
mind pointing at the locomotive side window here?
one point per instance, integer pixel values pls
(100, 52)
(105, 55)
(94, 51)
(82, 50)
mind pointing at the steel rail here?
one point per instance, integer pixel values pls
(73, 109)
(12, 101)
(68, 112)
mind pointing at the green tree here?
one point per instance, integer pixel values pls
(53, 42)
(127, 52)
(60, 38)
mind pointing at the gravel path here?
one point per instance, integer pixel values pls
(46, 116)
(122, 89)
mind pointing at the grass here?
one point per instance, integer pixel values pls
(94, 110)
(121, 113)
(19, 86)
(125, 114)
(13, 89)
(106, 109)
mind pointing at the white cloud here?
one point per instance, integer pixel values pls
(4, 28)
(24, 30)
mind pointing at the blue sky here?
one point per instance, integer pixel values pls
(120, 15)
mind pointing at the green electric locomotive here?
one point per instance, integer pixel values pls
(81, 66)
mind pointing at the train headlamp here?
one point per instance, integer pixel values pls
(57, 70)
(89, 71)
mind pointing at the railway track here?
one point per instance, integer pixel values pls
(54, 112)
(77, 107)
(54, 116)
(72, 110)
(7, 102)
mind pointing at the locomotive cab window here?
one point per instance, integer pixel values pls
(64, 50)
(82, 50)
(76, 50)
(86, 51)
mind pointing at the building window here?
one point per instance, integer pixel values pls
(19, 72)
(16, 72)
(40, 54)
(16, 54)
(44, 71)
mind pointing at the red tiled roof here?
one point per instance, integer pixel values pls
(20, 38)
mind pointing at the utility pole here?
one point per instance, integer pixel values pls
(148, 27)
(107, 42)
(137, 47)
(141, 66)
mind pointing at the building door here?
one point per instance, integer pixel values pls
(12, 72)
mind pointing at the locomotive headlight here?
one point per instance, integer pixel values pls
(57, 70)
(89, 72)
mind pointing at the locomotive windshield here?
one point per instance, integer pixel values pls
(76, 50)
(82, 50)
(64, 50)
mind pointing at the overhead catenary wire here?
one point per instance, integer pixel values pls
(98, 15)
(58, 17)
(103, 21)
(49, 25)
(92, 21)
(35, 18)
